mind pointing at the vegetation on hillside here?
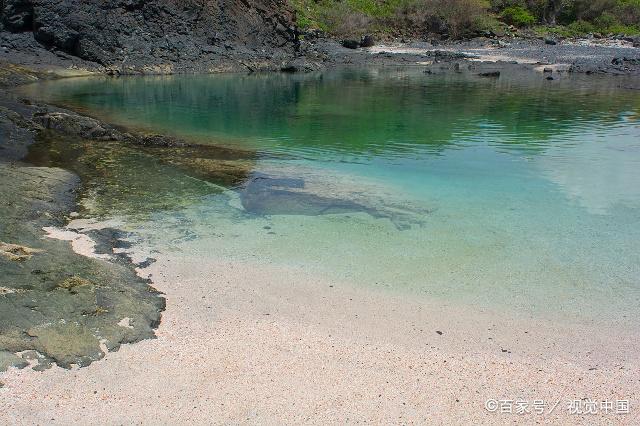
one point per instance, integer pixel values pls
(462, 18)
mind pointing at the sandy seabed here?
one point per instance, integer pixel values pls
(251, 343)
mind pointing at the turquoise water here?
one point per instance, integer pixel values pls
(513, 193)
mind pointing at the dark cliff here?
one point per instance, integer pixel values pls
(129, 36)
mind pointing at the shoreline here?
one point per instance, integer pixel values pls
(232, 350)
(609, 56)
(214, 359)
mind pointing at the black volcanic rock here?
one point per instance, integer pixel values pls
(367, 41)
(350, 44)
(17, 15)
(158, 35)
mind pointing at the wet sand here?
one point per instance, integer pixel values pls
(251, 343)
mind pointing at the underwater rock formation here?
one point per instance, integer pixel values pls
(297, 191)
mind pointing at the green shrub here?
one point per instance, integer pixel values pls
(352, 18)
(628, 12)
(500, 5)
(590, 10)
(605, 21)
(343, 21)
(458, 17)
(629, 30)
(580, 28)
(305, 22)
(373, 8)
(517, 16)
(308, 14)
(464, 17)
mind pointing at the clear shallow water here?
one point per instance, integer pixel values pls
(511, 193)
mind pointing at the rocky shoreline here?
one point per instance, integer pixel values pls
(613, 57)
(59, 306)
(70, 38)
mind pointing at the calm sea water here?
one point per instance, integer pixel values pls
(513, 193)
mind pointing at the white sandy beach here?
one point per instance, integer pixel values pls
(248, 343)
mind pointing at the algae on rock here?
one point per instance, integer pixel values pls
(53, 301)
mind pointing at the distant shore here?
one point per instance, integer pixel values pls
(590, 56)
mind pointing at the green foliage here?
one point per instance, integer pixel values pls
(356, 17)
(373, 8)
(628, 12)
(581, 27)
(517, 16)
(489, 22)
(620, 29)
(308, 14)
(352, 18)
(305, 22)
(605, 20)
(582, 17)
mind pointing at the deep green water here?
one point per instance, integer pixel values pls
(513, 193)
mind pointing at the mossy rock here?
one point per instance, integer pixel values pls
(16, 252)
(67, 343)
(53, 300)
(73, 282)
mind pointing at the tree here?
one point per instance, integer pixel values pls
(551, 11)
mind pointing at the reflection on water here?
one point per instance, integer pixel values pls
(600, 172)
(514, 191)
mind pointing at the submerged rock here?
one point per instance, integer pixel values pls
(265, 195)
(125, 177)
(41, 362)
(67, 343)
(494, 74)
(63, 304)
(77, 125)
